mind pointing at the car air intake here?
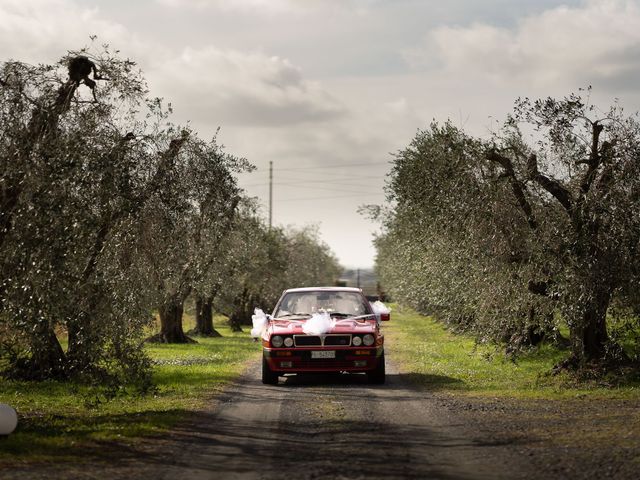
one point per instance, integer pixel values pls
(306, 340)
(337, 340)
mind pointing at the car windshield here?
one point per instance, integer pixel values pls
(333, 302)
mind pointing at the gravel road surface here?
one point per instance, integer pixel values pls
(309, 427)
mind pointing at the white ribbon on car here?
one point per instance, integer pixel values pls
(260, 321)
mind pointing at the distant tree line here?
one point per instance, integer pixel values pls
(514, 235)
(109, 212)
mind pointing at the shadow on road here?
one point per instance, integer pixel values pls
(394, 381)
(308, 438)
(307, 450)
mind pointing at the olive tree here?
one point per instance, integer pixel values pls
(261, 262)
(253, 269)
(184, 225)
(502, 233)
(77, 169)
(94, 177)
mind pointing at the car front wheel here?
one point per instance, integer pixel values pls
(378, 375)
(269, 377)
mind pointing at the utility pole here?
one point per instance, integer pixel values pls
(270, 194)
(358, 277)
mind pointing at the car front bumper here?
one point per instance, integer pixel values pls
(298, 360)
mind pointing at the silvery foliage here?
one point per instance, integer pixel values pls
(509, 235)
(260, 262)
(183, 228)
(79, 176)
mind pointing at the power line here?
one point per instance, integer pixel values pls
(314, 185)
(322, 188)
(337, 165)
(316, 181)
(339, 178)
(328, 177)
(330, 197)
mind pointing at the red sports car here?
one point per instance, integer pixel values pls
(323, 329)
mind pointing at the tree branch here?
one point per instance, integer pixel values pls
(593, 162)
(551, 185)
(166, 162)
(516, 186)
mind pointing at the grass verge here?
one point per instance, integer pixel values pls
(442, 360)
(56, 418)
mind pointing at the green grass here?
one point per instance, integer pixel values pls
(54, 416)
(439, 359)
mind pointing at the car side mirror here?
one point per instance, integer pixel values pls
(385, 317)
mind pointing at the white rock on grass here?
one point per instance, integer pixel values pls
(8, 419)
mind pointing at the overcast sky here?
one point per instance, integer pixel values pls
(327, 89)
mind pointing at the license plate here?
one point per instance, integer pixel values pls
(324, 354)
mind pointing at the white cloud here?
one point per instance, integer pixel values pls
(227, 4)
(241, 88)
(256, 6)
(600, 40)
(44, 30)
(204, 83)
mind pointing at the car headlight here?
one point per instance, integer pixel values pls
(288, 342)
(276, 341)
(356, 341)
(368, 339)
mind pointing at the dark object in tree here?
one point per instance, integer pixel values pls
(539, 288)
(80, 68)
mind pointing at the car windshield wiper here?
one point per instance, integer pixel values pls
(293, 315)
(341, 314)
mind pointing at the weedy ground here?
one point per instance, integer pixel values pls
(568, 426)
(441, 359)
(54, 416)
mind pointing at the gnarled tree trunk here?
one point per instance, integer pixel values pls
(235, 322)
(204, 318)
(589, 338)
(171, 330)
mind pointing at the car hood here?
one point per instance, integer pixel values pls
(294, 327)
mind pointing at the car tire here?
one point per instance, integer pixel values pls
(378, 375)
(269, 377)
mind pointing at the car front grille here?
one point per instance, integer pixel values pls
(333, 340)
(306, 340)
(337, 340)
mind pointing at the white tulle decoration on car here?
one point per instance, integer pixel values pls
(379, 308)
(260, 320)
(319, 324)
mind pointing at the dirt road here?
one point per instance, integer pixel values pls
(308, 427)
(332, 427)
